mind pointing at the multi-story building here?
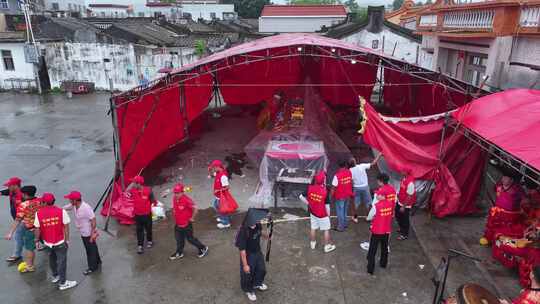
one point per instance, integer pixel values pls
(75, 8)
(197, 9)
(492, 42)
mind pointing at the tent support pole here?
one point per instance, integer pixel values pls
(116, 142)
(183, 109)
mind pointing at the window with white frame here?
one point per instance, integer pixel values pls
(7, 58)
(4, 4)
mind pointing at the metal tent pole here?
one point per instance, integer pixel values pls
(116, 142)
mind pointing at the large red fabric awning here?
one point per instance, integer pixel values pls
(509, 119)
(152, 118)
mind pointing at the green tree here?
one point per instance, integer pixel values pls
(352, 5)
(429, 2)
(397, 4)
(360, 14)
(248, 8)
(200, 48)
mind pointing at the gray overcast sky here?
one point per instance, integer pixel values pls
(360, 2)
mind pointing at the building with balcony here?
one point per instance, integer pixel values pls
(406, 15)
(492, 42)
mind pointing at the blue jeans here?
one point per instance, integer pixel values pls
(225, 219)
(341, 212)
(362, 195)
(18, 238)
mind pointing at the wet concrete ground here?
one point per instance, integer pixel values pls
(59, 144)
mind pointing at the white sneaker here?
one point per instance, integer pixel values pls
(313, 244)
(329, 248)
(251, 296)
(223, 226)
(67, 285)
(262, 287)
(218, 219)
(55, 279)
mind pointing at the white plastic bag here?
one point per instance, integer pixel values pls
(158, 211)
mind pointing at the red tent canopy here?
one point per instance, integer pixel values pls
(509, 119)
(152, 118)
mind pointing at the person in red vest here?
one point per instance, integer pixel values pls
(15, 198)
(25, 217)
(319, 214)
(221, 184)
(342, 191)
(505, 216)
(406, 200)
(52, 225)
(143, 200)
(184, 211)
(381, 216)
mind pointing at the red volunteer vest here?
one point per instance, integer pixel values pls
(141, 201)
(217, 183)
(183, 210)
(344, 188)
(316, 198)
(403, 198)
(382, 221)
(51, 224)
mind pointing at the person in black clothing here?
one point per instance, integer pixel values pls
(252, 264)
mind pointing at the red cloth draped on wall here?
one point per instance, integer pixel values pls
(407, 95)
(415, 146)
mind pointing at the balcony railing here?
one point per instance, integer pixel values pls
(530, 17)
(469, 19)
(428, 20)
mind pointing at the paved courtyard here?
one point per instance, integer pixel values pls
(59, 144)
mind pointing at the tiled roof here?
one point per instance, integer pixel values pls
(166, 35)
(303, 10)
(348, 28)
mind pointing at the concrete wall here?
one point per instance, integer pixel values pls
(22, 69)
(526, 50)
(129, 64)
(406, 49)
(295, 24)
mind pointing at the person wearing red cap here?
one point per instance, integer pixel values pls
(143, 200)
(15, 198)
(406, 200)
(26, 212)
(221, 184)
(184, 211)
(318, 211)
(52, 225)
(381, 216)
(85, 220)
